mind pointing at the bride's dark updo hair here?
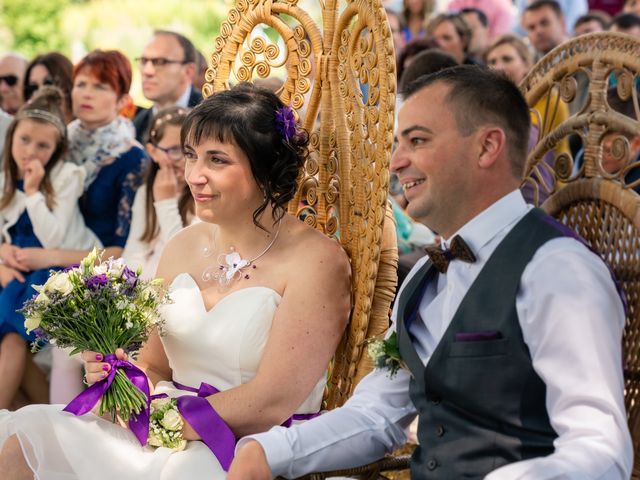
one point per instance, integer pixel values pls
(246, 116)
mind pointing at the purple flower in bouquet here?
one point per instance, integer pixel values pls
(286, 123)
(130, 277)
(71, 267)
(97, 282)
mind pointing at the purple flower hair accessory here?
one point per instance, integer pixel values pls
(286, 123)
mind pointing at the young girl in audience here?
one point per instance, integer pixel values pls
(163, 205)
(103, 144)
(38, 208)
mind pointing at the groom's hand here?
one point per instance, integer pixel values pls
(250, 464)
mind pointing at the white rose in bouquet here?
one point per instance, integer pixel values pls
(171, 420)
(32, 322)
(59, 283)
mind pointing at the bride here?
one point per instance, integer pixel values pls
(260, 301)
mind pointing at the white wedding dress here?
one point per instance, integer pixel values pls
(222, 347)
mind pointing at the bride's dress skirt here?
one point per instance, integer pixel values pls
(221, 346)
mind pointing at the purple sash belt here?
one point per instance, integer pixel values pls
(213, 430)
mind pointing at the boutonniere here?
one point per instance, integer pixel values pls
(385, 354)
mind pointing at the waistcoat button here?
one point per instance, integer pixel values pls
(440, 430)
(432, 464)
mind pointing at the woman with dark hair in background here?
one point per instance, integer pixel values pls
(51, 68)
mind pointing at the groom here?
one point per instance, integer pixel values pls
(513, 343)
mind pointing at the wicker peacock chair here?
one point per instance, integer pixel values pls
(340, 79)
(591, 197)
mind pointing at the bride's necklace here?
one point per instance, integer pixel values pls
(231, 264)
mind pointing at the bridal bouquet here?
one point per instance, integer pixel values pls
(101, 307)
(165, 428)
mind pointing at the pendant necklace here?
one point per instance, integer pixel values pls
(231, 265)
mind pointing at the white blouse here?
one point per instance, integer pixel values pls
(61, 227)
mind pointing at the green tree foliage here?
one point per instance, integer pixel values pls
(75, 27)
(33, 26)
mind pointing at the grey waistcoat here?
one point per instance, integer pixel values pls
(480, 403)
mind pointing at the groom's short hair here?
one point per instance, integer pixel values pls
(480, 96)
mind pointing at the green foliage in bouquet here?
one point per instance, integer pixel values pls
(99, 307)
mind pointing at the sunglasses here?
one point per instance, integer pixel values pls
(34, 87)
(10, 80)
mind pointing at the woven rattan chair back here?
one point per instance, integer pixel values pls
(338, 74)
(595, 196)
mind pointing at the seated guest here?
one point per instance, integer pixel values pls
(12, 67)
(452, 35)
(628, 23)
(499, 14)
(168, 67)
(410, 50)
(416, 13)
(103, 144)
(51, 68)
(545, 26)
(510, 334)
(480, 39)
(591, 22)
(615, 155)
(163, 204)
(570, 10)
(38, 208)
(511, 56)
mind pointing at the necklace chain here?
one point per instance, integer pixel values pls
(231, 265)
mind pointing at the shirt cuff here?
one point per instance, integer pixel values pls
(33, 199)
(276, 449)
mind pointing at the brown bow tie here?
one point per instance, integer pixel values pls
(458, 250)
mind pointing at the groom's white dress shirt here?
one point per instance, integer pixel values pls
(572, 320)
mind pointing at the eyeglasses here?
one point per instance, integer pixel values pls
(10, 80)
(34, 87)
(158, 62)
(174, 153)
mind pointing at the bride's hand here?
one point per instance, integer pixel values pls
(94, 368)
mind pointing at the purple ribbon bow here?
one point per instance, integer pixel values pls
(84, 403)
(203, 418)
(213, 430)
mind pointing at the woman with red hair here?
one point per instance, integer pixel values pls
(103, 143)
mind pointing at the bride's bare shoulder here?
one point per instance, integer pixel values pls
(185, 249)
(311, 248)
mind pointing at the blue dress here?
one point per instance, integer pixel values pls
(106, 204)
(15, 293)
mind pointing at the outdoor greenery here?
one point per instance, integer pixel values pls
(75, 27)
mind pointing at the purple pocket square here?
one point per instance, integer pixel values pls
(482, 336)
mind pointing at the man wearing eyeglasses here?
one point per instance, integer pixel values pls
(168, 66)
(12, 68)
